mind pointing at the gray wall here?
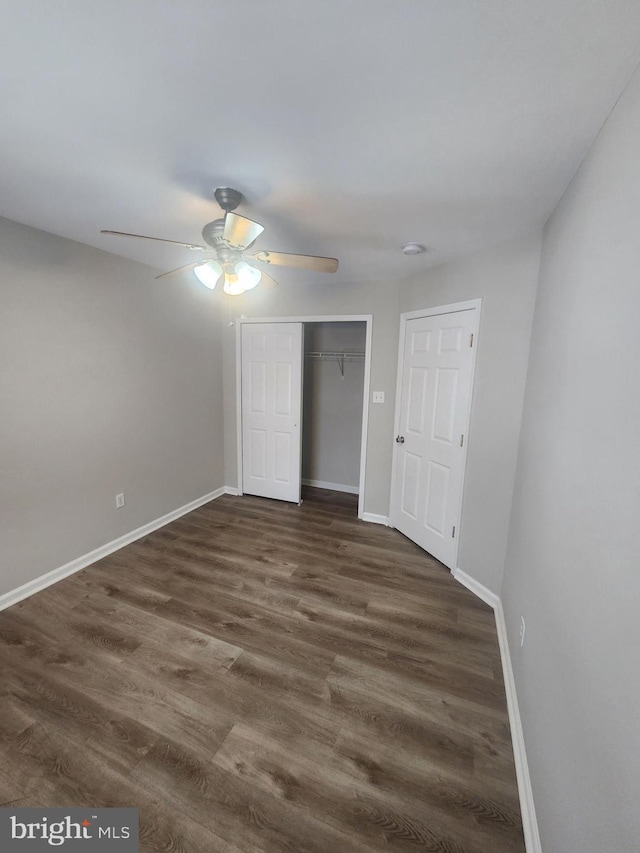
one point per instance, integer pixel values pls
(506, 278)
(574, 549)
(332, 401)
(110, 382)
(333, 298)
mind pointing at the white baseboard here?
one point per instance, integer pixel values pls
(42, 582)
(375, 519)
(335, 487)
(476, 588)
(525, 793)
(230, 490)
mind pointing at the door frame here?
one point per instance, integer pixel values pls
(453, 308)
(323, 318)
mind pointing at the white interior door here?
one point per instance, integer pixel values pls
(436, 377)
(271, 378)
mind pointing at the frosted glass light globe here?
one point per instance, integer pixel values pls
(248, 276)
(209, 273)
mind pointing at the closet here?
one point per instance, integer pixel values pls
(301, 406)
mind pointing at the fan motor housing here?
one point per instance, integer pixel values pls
(212, 233)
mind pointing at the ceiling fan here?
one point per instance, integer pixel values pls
(228, 240)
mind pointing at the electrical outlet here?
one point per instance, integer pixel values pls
(120, 500)
(378, 396)
(522, 628)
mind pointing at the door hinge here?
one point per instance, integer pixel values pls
(462, 441)
(471, 339)
(453, 531)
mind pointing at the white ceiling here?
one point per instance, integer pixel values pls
(352, 126)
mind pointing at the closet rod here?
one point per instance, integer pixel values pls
(340, 357)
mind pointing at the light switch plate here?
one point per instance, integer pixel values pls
(378, 396)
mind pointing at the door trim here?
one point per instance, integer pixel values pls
(323, 318)
(453, 308)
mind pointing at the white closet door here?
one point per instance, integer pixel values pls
(436, 378)
(272, 410)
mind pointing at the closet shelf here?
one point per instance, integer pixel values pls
(340, 357)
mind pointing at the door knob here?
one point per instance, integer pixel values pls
(400, 439)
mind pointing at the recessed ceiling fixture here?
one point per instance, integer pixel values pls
(228, 239)
(413, 248)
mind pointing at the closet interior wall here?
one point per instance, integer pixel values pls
(332, 404)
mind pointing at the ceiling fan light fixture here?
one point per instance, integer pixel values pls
(209, 273)
(247, 275)
(232, 285)
(226, 239)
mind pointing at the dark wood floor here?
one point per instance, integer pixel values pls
(259, 676)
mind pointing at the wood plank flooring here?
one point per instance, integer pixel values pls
(259, 676)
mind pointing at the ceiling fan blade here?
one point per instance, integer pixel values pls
(239, 231)
(179, 270)
(303, 262)
(157, 239)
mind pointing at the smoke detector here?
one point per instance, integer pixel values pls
(413, 248)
